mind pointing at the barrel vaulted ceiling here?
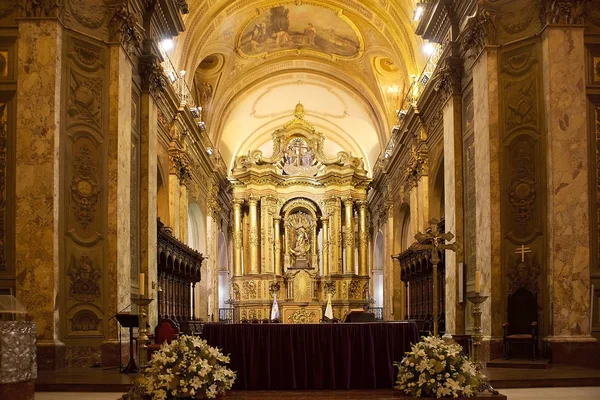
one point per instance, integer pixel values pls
(348, 62)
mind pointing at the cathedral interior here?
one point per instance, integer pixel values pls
(214, 155)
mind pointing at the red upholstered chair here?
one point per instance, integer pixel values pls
(165, 331)
(522, 324)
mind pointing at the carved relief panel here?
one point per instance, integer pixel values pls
(85, 183)
(522, 165)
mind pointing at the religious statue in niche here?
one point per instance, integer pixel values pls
(299, 227)
(299, 159)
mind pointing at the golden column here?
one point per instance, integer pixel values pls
(277, 234)
(325, 221)
(349, 235)
(237, 237)
(362, 238)
(253, 237)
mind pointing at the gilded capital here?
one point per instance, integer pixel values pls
(153, 75)
(566, 12)
(124, 27)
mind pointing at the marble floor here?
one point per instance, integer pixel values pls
(574, 393)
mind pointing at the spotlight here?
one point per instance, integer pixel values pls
(172, 76)
(428, 49)
(181, 74)
(195, 112)
(425, 79)
(419, 10)
(167, 44)
(210, 151)
(202, 126)
(402, 114)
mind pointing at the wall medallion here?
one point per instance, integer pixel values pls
(89, 15)
(84, 276)
(249, 290)
(85, 321)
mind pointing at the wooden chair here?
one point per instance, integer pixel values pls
(522, 324)
(165, 331)
(266, 321)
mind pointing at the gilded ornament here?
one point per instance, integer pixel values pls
(153, 75)
(125, 28)
(563, 11)
(301, 316)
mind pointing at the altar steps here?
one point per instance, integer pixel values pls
(100, 380)
(519, 363)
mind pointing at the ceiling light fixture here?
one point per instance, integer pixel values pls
(167, 44)
(419, 10)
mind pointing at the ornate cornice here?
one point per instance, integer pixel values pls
(153, 75)
(448, 75)
(40, 8)
(480, 29)
(124, 27)
(566, 12)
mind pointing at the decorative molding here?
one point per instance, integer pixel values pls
(565, 12)
(448, 75)
(480, 30)
(40, 8)
(84, 275)
(153, 75)
(522, 189)
(85, 100)
(90, 15)
(85, 190)
(85, 321)
(124, 27)
(302, 317)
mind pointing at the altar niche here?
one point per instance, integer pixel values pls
(299, 216)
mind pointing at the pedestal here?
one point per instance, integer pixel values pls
(18, 366)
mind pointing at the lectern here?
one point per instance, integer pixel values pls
(129, 321)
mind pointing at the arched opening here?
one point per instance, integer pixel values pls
(378, 260)
(437, 200)
(223, 265)
(405, 236)
(162, 198)
(197, 241)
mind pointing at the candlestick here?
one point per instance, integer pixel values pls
(484, 383)
(142, 284)
(142, 338)
(477, 281)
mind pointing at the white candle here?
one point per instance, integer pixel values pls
(477, 281)
(142, 284)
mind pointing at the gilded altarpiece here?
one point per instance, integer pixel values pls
(522, 172)
(291, 210)
(84, 190)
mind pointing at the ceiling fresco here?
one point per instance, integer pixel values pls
(300, 28)
(349, 62)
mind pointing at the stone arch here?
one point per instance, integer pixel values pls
(378, 263)
(437, 199)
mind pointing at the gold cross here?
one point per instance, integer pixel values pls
(522, 250)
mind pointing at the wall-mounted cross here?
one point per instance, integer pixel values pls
(522, 250)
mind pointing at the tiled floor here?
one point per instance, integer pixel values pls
(575, 393)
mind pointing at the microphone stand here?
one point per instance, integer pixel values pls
(120, 343)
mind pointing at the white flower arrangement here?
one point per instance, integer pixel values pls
(187, 368)
(434, 368)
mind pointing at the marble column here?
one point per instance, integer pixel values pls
(453, 205)
(390, 302)
(254, 268)
(38, 189)
(422, 195)
(363, 269)
(119, 197)
(148, 193)
(174, 194)
(183, 212)
(277, 246)
(325, 244)
(237, 237)
(349, 235)
(567, 195)
(487, 187)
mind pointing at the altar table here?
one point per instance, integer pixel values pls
(313, 356)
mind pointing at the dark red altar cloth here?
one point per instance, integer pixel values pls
(313, 356)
